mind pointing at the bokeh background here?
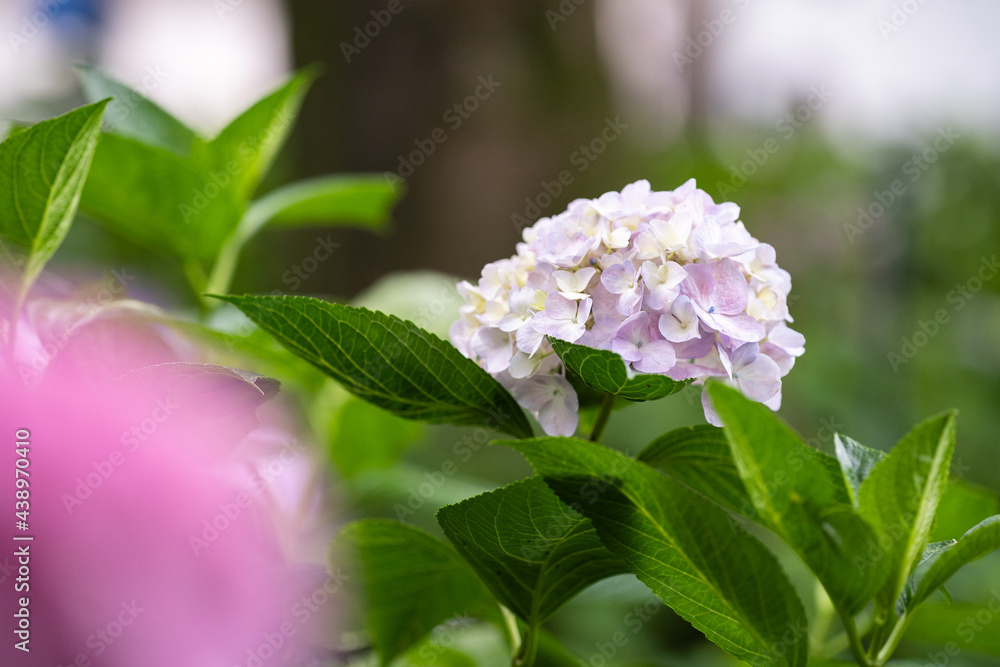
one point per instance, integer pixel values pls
(860, 137)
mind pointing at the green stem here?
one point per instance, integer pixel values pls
(857, 648)
(510, 626)
(878, 638)
(225, 266)
(825, 613)
(893, 641)
(529, 648)
(602, 417)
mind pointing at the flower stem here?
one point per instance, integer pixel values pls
(857, 648)
(893, 641)
(825, 613)
(529, 648)
(602, 417)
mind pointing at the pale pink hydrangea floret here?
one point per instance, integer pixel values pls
(670, 281)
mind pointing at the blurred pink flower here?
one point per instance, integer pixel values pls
(153, 503)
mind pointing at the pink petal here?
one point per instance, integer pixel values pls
(711, 416)
(760, 380)
(657, 357)
(619, 277)
(700, 284)
(739, 327)
(559, 307)
(730, 295)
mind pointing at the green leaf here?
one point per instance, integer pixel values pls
(531, 550)
(605, 371)
(719, 578)
(387, 361)
(856, 463)
(42, 171)
(356, 200)
(132, 114)
(933, 551)
(155, 198)
(246, 148)
(978, 542)
(901, 495)
(412, 581)
(801, 499)
(364, 200)
(699, 456)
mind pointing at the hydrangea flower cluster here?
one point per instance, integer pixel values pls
(670, 281)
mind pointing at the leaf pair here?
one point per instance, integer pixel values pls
(518, 546)
(158, 183)
(800, 494)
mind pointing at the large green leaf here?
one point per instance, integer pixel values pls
(978, 542)
(719, 578)
(387, 361)
(412, 581)
(699, 456)
(801, 499)
(901, 496)
(158, 199)
(246, 148)
(605, 371)
(132, 114)
(42, 171)
(531, 550)
(856, 463)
